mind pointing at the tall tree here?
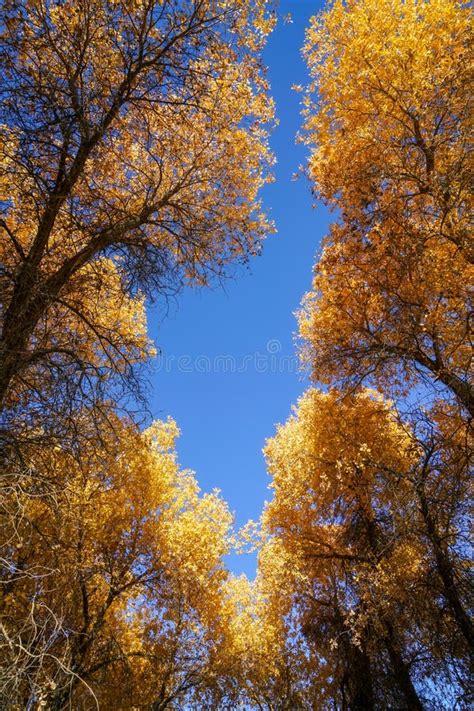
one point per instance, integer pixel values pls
(370, 505)
(388, 123)
(260, 659)
(133, 145)
(371, 592)
(115, 577)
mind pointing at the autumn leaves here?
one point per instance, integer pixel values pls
(370, 486)
(389, 150)
(133, 144)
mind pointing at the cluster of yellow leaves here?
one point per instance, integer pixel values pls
(128, 555)
(255, 660)
(134, 131)
(342, 553)
(388, 123)
(332, 450)
(386, 75)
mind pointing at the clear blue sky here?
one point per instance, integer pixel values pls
(227, 373)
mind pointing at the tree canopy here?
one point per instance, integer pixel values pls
(133, 146)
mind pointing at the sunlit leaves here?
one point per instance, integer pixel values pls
(387, 121)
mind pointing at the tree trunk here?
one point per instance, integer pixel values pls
(446, 573)
(357, 684)
(401, 672)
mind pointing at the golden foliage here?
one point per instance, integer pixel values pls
(388, 123)
(124, 558)
(131, 131)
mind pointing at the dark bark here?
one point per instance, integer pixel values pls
(446, 573)
(358, 680)
(401, 671)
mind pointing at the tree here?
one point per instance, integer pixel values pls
(116, 578)
(369, 591)
(389, 133)
(441, 484)
(260, 659)
(133, 145)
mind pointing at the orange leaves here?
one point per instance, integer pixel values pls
(137, 131)
(387, 121)
(131, 556)
(327, 457)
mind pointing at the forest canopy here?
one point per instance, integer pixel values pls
(134, 146)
